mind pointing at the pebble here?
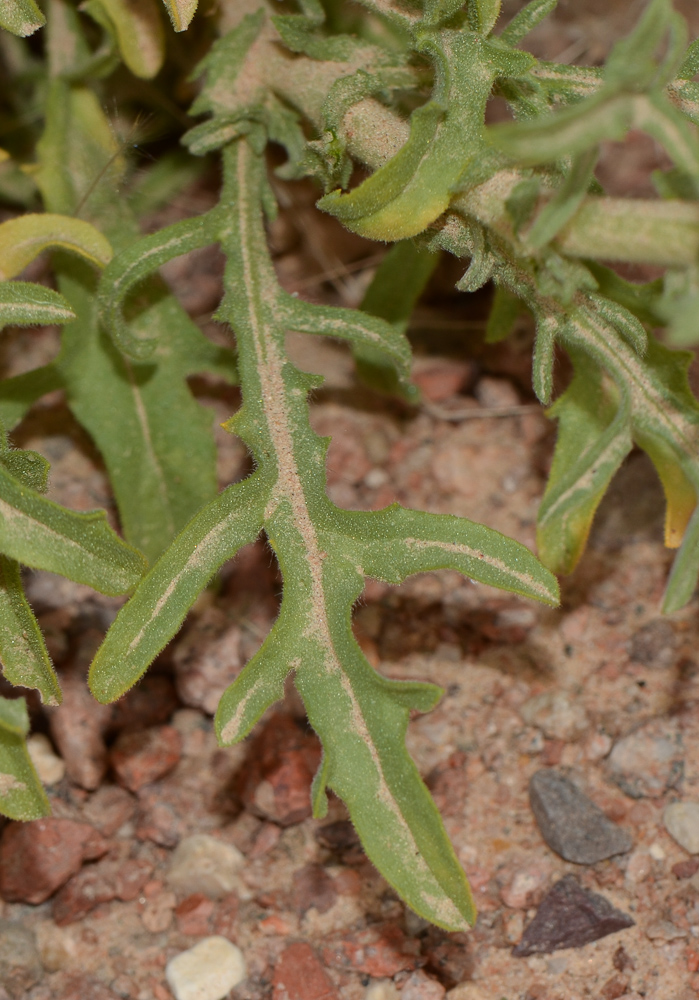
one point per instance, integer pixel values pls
(193, 915)
(526, 885)
(570, 917)
(313, 887)
(202, 863)
(681, 821)
(654, 645)
(141, 757)
(37, 858)
(419, 986)
(109, 808)
(496, 392)
(275, 781)
(379, 951)
(646, 763)
(49, 766)
(300, 975)
(158, 911)
(56, 947)
(208, 971)
(206, 661)
(440, 378)
(556, 715)
(382, 989)
(570, 823)
(77, 728)
(20, 964)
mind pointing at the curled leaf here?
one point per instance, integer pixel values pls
(138, 29)
(181, 12)
(24, 303)
(24, 238)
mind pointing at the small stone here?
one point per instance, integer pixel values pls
(419, 986)
(140, 758)
(615, 988)
(20, 964)
(109, 808)
(202, 863)
(681, 821)
(157, 913)
(299, 975)
(654, 645)
(449, 957)
(685, 869)
(648, 762)
(495, 392)
(440, 378)
(77, 728)
(49, 766)
(664, 930)
(526, 886)
(570, 917)
(378, 951)
(56, 947)
(382, 989)
(639, 866)
(570, 823)
(193, 915)
(313, 887)
(556, 715)
(275, 783)
(37, 858)
(207, 661)
(208, 971)
(83, 893)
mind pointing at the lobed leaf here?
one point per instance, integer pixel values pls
(21, 794)
(40, 533)
(24, 238)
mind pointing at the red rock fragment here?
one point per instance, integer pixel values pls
(37, 858)
(109, 808)
(685, 869)
(131, 877)
(380, 951)
(193, 915)
(158, 821)
(275, 784)
(140, 758)
(226, 916)
(440, 378)
(77, 986)
(82, 893)
(614, 988)
(299, 975)
(313, 887)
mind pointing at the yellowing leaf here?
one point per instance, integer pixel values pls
(24, 238)
(21, 17)
(138, 28)
(181, 12)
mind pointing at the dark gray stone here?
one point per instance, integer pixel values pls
(570, 917)
(570, 823)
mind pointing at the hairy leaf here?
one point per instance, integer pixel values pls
(23, 303)
(24, 238)
(21, 17)
(181, 12)
(21, 794)
(23, 654)
(138, 29)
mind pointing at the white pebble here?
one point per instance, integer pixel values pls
(49, 766)
(681, 821)
(208, 971)
(381, 989)
(204, 864)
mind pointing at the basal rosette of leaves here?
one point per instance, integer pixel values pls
(401, 91)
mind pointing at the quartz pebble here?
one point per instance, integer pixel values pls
(556, 715)
(418, 986)
(681, 821)
(208, 971)
(382, 989)
(570, 917)
(202, 863)
(570, 823)
(49, 766)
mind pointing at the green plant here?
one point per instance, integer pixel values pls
(400, 89)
